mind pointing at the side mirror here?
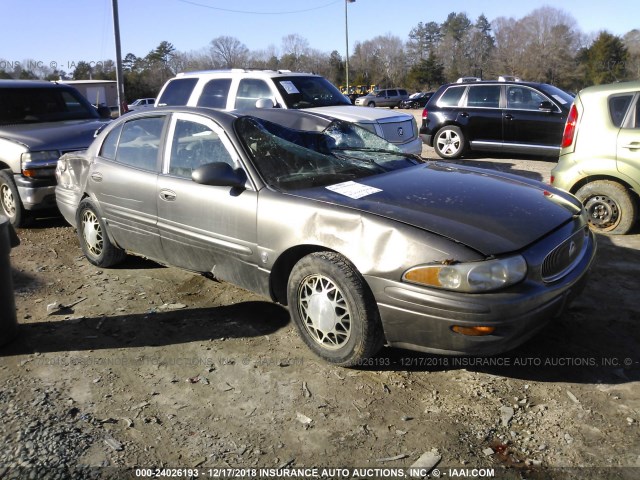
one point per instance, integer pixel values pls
(265, 103)
(104, 111)
(545, 106)
(219, 174)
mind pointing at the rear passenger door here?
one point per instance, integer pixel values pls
(483, 117)
(123, 180)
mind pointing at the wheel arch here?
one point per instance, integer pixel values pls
(283, 266)
(592, 178)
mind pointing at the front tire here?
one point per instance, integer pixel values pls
(94, 239)
(371, 104)
(334, 310)
(10, 203)
(610, 206)
(449, 142)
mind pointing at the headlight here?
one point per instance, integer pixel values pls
(44, 156)
(470, 277)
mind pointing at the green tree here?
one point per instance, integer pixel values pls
(427, 74)
(83, 71)
(605, 60)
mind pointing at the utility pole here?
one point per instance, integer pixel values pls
(346, 34)
(119, 78)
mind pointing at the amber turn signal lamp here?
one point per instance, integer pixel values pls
(473, 331)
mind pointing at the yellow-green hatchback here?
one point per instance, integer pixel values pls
(600, 157)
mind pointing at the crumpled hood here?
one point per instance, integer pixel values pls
(68, 135)
(490, 212)
(351, 113)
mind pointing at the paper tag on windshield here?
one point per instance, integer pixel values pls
(353, 189)
(289, 87)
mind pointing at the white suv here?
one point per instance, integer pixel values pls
(240, 89)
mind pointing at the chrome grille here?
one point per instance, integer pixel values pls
(564, 257)
(398, 132)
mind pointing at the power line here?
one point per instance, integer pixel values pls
(258, 13)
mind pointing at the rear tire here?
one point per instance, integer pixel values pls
(334, 309)
(449, 142)
(10, 203)
(94, 239)
(611, 207)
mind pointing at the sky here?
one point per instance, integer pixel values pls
(61, 33)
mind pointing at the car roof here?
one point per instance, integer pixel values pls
(295, 119)
(242, 71)
(618, 87)
(495, 82)
(30, 84)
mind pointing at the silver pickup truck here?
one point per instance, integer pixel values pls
(39, 121)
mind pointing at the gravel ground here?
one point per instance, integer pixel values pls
(145, 366)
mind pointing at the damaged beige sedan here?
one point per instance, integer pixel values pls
(365, 244)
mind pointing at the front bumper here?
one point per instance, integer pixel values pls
(36, 193)
(421, 319)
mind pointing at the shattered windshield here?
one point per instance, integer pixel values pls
(289, 159)
(306, 92)
(34, 105)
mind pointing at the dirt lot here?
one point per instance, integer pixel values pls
(155, 367)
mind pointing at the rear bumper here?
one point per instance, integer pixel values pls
(422, 319)
(426, 138)
(414, 146)
(67, 201)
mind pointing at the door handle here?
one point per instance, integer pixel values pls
(168, 195)
(96, 176)
(632, 146)
(508, 116)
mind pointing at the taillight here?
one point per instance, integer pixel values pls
(424, 114)
(570, 127)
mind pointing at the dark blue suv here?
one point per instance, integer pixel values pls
(510, 117)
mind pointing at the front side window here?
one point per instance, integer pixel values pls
(484, 96)
(195, 144)
(523, 98)
(140, 143)
(250, 90)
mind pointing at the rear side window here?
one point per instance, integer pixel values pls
(485, 96)
(618, 106)
(215, 93)
(108, 149)
(177, 92)
(140, 143)
(451, 97)
(402, 92)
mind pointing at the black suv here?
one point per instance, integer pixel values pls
(512, 117)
